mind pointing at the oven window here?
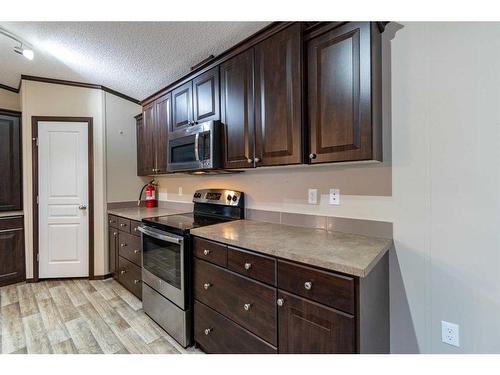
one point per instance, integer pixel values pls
(162, 259)
(182, 153)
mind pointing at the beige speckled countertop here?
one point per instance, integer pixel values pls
(336, 251)
(139, 213)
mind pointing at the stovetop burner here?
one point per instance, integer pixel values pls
(183, 222)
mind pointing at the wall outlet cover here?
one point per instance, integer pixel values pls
(334, 197)
(312, 196)
(450, 333)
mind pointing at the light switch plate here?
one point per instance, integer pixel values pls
(312, 196)
(450, 333)
(334, 197)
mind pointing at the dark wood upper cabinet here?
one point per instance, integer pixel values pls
(145, 149)
(206, 104)
(278, 98)
(307, 327)
(237, 110)
(12, 265)
(182, 106)
(163, 124)
(344, 93)
(10, 161)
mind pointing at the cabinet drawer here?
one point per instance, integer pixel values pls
(124, 224)
(129, 275)
(212, 252)
(129, 247)
(331, 289)
(133, 228)
(249, 303)
(218, 335)
(113, 221)
(256, 266)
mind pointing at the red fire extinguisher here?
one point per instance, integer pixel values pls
(150, 194)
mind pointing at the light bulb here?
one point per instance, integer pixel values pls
(28, 53)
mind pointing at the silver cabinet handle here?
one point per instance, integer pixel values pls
(206, 286)
(280, 302)
(82, 207)
(256, 160)
(123, 272)
(137, 251)
(206, 252)
(248, 266)
(114, 233)
(137, 281)
(247, 306)
(308, 285)
(135, 229)
(312, 156)
(123, 244)
(110, 221)
(207, 331)
(249, 161)
(122, 225)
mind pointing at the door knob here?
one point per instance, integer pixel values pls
(82, 207)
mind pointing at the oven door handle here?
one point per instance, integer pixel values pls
(197, 146)
(158, 235)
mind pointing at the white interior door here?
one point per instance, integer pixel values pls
(63, 199)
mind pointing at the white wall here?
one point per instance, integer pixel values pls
(10, 100)
(45, 99)
(446, 181)
(122, 183)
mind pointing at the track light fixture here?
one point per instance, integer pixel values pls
(24, 48)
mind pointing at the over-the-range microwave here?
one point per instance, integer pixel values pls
(196, 148)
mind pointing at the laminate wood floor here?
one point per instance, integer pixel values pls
(78, 316)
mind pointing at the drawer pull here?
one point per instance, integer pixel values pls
(137, 251)
(207, 331)
(308, 285)
(280, 302)
(247, 306)
(114, 233)
(110, 221)
(137, 281)
(248, 266)
(206, 252)
(123, 225)
(123, 244)
(135, 229)
(206, 286)
(123, 272)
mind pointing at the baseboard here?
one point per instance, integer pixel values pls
(102, 277)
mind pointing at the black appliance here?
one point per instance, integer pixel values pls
(167, 258)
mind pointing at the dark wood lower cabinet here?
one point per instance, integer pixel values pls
(12, 265)
(11, 198)
(306, 327)
(268, 305)
(125, 253)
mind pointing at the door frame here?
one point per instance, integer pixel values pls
(90, 161)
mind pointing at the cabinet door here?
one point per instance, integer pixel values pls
(341, 93)
(182, 106)
(206, 103)
(308, 327)
(10, 162)
(145, 147)
(163, 124)
(12, 266)
(237, 110)
(278, 112)
(112, 246)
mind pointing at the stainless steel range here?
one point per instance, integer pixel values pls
(167, 258)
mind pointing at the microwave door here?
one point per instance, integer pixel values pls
(183, 153)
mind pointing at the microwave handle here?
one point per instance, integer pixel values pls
(196, 146)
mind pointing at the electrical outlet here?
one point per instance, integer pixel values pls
(312, 196)
(334, 197)
(450, 333)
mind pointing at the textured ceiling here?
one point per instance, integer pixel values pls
(135, 58)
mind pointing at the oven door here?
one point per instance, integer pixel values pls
(163, 263)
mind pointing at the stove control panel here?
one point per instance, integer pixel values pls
(219, 196)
